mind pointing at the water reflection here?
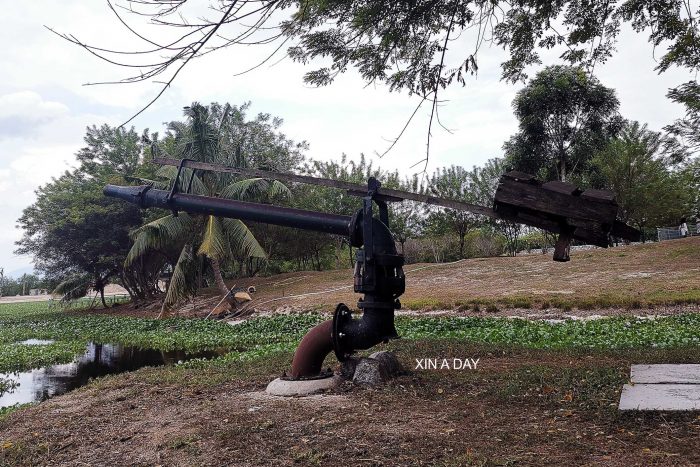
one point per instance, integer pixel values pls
(98, 360)
(36, 342)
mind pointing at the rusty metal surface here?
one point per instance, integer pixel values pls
(312, 351)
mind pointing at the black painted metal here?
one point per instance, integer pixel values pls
(378, 267)
(147, 197)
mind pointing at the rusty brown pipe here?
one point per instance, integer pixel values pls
(312, 351)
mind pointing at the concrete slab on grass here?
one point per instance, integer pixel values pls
(284, 387)
(665, 374)
(660, 397)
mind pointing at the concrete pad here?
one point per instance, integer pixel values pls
(302, 387)
(660, 397)
(660, 374)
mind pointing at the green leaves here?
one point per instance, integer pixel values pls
(182, 282)
(564, 117)
(71, 332)
(158, 235)
(214, 242)
(256, 189)
(242, 239)
(605, 333)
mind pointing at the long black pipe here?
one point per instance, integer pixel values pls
(147, 197)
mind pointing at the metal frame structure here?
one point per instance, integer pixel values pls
(378, 273)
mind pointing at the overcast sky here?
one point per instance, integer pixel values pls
(44, 107)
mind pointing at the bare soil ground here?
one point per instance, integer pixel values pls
(519, 407)
(652, 278)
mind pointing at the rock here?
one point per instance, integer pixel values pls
(377, 369)
(242, 297)
(371, 372)
(302, 387)
(389, 361)
(348, 367)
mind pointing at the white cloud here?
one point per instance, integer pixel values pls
(22, 112)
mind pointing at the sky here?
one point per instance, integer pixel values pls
(45, 106)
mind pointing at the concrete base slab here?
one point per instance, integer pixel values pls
(661, 374)
(660, 397)
(283, 387)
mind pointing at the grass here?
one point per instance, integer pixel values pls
(5, 411)
(268, 335)
(518, 405)
(619, 299)
(651, 275)
(523, 406)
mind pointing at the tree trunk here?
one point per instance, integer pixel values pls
(216, 267)
(102, 297)
(562, 167)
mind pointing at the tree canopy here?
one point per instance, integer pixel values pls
(214, 134)
(420, 46)
(650, 188)
(564, 116)
(78, 237)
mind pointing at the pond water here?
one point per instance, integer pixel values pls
(98, 360)
(36, 342)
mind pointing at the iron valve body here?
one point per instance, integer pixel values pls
(378, 271)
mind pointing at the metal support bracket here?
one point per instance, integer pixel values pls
(173, 189)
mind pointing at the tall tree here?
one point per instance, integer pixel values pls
(650, 188)
(564, 116)
(453, 182)
(79, 238)
(76, 235)
(215, 134)
(688, 127)
(410, 46)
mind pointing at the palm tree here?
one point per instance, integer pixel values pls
(207, 136)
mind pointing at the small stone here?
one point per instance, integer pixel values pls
(389, 361)
(348, 367)
(370, 371)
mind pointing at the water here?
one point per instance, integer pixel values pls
(36, 342)
(98, 360)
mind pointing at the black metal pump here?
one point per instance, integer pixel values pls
(378, 271)
(588, 216)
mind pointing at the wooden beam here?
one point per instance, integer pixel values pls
(354, 189)
(535, 198)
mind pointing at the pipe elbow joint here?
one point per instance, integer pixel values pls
(349, 334)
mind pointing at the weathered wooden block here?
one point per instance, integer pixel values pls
(561, 187)
(560, 207)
